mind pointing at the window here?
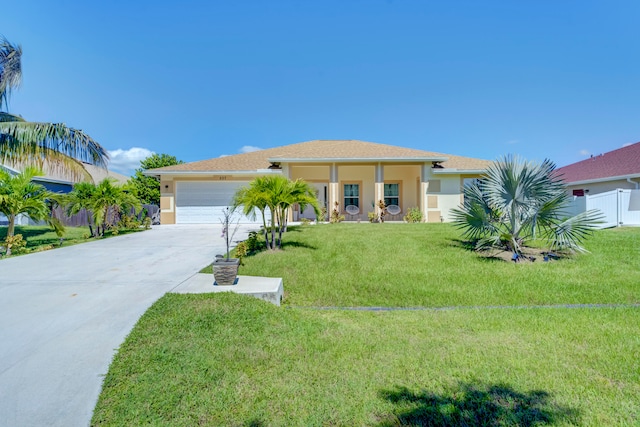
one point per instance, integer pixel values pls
(468, 182)
(351, 195)
(392, 194)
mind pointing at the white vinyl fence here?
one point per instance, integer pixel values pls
(620, 207)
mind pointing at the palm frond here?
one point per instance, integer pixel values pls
(6, 117)
(31, 140)
(569, 234)
(10, 69)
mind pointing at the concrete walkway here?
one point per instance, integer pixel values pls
(64, 312)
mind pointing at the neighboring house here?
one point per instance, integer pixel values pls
(609, 182)
(356, 174)
(58, 181)
(605, 172)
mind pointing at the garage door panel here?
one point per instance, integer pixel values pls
(203, 202)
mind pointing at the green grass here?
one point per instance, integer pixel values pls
(226, 359)
(426, 265)
(41, 238)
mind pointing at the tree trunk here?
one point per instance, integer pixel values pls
(280, 227)
(11, 230)
(264, 227)
(274, 217)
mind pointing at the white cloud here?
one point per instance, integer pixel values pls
(585, 152)
(126, 161)
(249, 149)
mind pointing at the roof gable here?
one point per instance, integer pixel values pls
(621, 162)
(324, 150)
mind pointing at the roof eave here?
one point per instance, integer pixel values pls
(212, 172)
(605, 179)
(356, 159)
(454, 171)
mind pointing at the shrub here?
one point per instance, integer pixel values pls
(129, 222)
(335, 214)
(16, 243)
(413, 215)
(241, 251)
(372, 216)
(323, 214)
(252, 242)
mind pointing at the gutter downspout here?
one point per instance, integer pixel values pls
(637, 184)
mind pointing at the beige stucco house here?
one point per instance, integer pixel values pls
(355, 174)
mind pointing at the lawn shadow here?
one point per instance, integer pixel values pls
(286, 244)
(469, 246)
(27, 232)
(475, 405)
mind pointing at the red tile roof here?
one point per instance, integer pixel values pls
(621, 162)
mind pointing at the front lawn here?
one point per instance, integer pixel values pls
(226, 359)
(426, 265)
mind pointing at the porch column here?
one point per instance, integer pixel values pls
(379, 187)
(293, 214)
(424, 185)
(334, 190)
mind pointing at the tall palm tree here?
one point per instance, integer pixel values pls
(517, 201)
(34, 142)
(20, 195)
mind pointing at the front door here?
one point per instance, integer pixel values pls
(322, 195)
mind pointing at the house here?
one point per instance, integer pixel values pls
(355, 174)
(605, 172)
(58, 181)
(609, 182)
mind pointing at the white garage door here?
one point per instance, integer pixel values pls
(202, 202)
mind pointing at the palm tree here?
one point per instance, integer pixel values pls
(276, 193)
(517, 201)
(33, 142)
(20, 195)
(115, 198)
(251, 198)
(100, 200)
(82, 197)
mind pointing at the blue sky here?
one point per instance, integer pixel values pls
(201, 79)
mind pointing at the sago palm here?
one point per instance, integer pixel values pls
(517, 201)
(32, 142)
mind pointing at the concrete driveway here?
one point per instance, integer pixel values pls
(64, 312)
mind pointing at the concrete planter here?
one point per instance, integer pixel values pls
(225, 271)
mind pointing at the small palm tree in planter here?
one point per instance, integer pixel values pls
(225, 270)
